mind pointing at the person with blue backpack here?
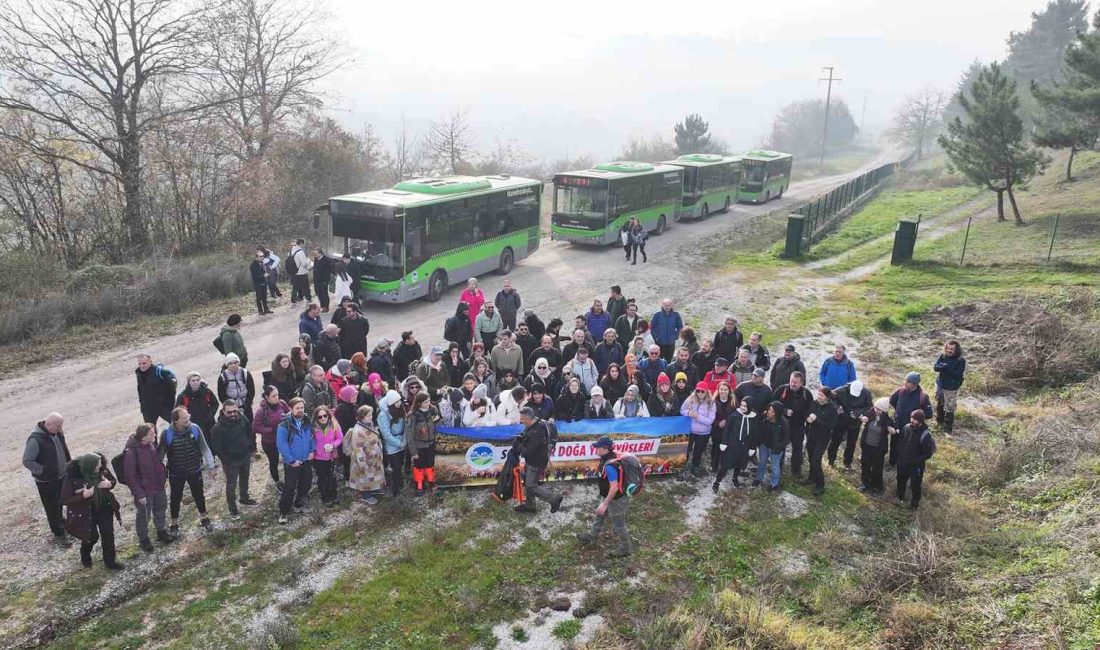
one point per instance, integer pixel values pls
(614, 493)
(294, 438)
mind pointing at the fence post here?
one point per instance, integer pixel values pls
(1053, 233)
(966, 238)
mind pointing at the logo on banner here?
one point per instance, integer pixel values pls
(481, 456)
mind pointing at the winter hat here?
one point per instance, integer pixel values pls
(232, 358)
(882, 404)
(383, 343)
(596, 390)
(663, 379)
(721, 361)
(193, 374)
(436, 350)
(913, 378)
(630, 390)
(856, 387)
(481, 391)
(699, 386)
(305, 337)
(343, 366)
(348, 394)
(392, 397)
(759, 372)
(918, 415)
(681, 375)
(789, 348)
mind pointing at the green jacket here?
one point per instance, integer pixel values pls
(232, 441)
(233, 342)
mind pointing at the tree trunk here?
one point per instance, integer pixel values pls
(133, 224)
(1069, 165)
(1015, 208)
(1000, 205)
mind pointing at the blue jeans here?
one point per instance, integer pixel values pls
(767, 457)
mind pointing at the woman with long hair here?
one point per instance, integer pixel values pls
(343, 282)
(281, 376)
(420, 433)
(265, 421)
(327, 436)
(363, 445)
(725, 404)
(613, 384)
(699, 406)
(299, 366)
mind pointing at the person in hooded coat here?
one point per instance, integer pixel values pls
(391, 426)
(598, 407)
(146, 477)
(541, 374)
(820, 424)
(87, 492)
(345, 413)
(381, 361)
(570, 406)
(200, 402)
(460, 328)
(265, 420)
(738, 440)
(725, 403)
(456, 365)
(479, 410)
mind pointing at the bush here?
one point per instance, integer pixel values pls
(97, 277)
(918, 559)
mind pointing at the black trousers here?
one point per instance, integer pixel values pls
(296, 487)
(326, 480)
(846, 431)
(626, 249)
(272, 453)
(322, 293)
(666, 351)
(798, 438)
(715, 452)
(175, 496)
(895, 448)
(634, 248)
(103, 529)
(151, 415)
(273, 287)
(871, 460)
(395, 469)
(299, 287)
(425, 457)
(913, 475)
(816, 450)
(261, 298)
(740, 459)
(50, 493)
(697, 446)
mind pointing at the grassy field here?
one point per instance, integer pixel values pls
(1003, 552)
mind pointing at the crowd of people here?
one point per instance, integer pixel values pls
(368, 416)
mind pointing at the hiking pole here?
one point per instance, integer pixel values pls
(1053, 233)
(966, 238)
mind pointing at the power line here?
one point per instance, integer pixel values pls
(828, 99)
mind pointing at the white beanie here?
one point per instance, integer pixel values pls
(596, 390)
(481, 391)
(856, 388)
(392, 397)
(232, 358)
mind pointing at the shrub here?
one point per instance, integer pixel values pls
(97, 277)
(915, 560)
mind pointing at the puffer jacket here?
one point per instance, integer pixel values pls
(775, 435)
(232, 440)
(951, 371)
(294, 438)
(392, 430)
(144, 472)
(333, 435)
(704, 415)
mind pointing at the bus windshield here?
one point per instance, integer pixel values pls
(754, 173)
(376, 241)
(581, 201)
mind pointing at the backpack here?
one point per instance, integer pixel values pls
(218, 344)
(551, 438)
(290, 264)
(631, 473)
(118, 463)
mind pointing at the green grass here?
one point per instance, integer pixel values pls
(567, 630)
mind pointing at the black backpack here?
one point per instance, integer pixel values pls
(118, 463)
(218, 344)
(291, 265)
(551, 438)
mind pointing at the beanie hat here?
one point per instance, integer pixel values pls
(348, 394)
(481, 391)
(759, 372)
(663, 379)
(596, 390)
(383, 342)
(913, 378)
(918, 415)
(232, 358)
(631, 389)
(856, 387)
(778, 406)
(681, 375)
(343, 366)
(882, 404)
(392, 397)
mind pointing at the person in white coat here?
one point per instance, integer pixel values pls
(343, 283)
(479, 411)
(631, 406)
(511, 401)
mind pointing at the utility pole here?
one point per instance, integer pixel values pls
(828, 99)
(863, 114)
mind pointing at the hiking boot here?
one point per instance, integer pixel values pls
(818, 491)
(234, 514)
(586, 538)
(715, 487)
(619, 551)
(526, 507)
(556, 505)
(86, 558)
(115, 566)
(756, 482)
(146, 545)
(174, 529)
(301, 510)
(205, 523)
(279, 487)
(62, 541)
(248, 501)
(163, 537)
(862, 488)
(912, 506)
(847, 467)
(773, 488)
(370, 499)
(283, 519)
(737, 484)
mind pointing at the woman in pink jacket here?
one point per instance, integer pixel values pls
(265, 421)
(701, 409)
(327, 438)
(475, 298)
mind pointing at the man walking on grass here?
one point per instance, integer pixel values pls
(613, 502)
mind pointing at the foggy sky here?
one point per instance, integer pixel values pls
(565, 78)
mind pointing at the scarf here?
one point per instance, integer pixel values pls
(89, 471)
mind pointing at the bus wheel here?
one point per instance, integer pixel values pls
(726, 208)
(660, 228)
(706, 210)
(507, 261)
(436, 285)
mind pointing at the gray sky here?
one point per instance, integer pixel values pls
(570, 78)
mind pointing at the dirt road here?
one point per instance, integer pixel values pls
(96, 393)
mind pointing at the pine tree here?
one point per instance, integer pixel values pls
(989, 147)
(692, 135)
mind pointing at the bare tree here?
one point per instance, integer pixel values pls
(919, 119)
(506, 157)
(449, 141)
(406, 158)
(268, 55)
(85, 66)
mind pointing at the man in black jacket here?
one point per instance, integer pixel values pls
(46, 455)
(355, 270)
(233, 442)
(327, 351)
(796, 400)
(408, 350)
(156, 389)
(534, 444)
(322, 274)
(683, 364)
(855, 403)
(916, 447)
(353, 334)
(789, 363)
(729, 340)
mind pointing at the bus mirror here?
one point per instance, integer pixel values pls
(316, 220)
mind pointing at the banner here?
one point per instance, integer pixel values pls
(649, 427)
(482, 456)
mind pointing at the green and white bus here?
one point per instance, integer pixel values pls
(711, 183)
(423, 235)
(764, 175)
(591, 205)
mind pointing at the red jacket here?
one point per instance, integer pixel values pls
(712, 380)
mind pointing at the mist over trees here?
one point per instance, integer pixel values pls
(919, 120)
(798, 127)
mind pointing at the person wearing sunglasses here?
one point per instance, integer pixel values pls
(702, 411)
(327, 438)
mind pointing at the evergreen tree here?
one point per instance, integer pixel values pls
(692, 135)
(989, 147)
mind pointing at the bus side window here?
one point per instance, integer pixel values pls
(482, 217)
(415, 239)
